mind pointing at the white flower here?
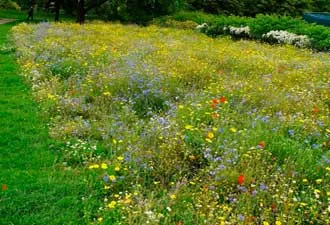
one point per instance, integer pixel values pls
(285, 37)
(238, 31)
(202, 26)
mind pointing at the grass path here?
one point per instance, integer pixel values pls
(37, 191)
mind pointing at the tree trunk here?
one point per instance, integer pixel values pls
(57, 10)
(81, 13)
(31, 10)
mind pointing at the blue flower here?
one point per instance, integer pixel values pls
(106, 178)
(291, 132)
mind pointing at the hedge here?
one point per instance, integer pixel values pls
(261, 24)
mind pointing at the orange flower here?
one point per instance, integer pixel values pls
(214, 103)
(261, 144)
(316, 110)
(215, 115)
(240, 179)
(4, 187)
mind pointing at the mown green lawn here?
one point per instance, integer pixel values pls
(35, 189)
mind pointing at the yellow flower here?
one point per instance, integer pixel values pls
(318, 181)
(189, 127)
(233, 129)
(278, 223)
(181, 106)
(51, 97)
(112, 178)
(327, 169)
(265, 223)
(210, 135)
(305, 180)
(117, 168)
(104, 166)
(208, 140)
(120, 158)
(107, 93)
(222, 218)
(173, 197)
(106, 187)
(112, 204)
(100, 219)
(94, 166)
(192, 157)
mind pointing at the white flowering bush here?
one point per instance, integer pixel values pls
(202, 27)
(238, 32)
(285, 37)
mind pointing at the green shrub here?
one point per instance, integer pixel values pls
(254, 7)
(188, 24)
(7, 4)
(265, 23)
(261, 24)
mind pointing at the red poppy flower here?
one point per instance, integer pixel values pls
(4, 187)
(261, 144)
(273, 206)
(240, 179)
(223, 99)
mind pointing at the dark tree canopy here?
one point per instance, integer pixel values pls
(141, 11)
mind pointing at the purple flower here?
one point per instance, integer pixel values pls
(263, 187)
(241, 217)
(232, 199)
(222, 167)
(241, 188)
(265, 119)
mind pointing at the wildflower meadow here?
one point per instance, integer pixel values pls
(175, 127)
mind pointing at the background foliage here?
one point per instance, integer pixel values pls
(254, 7)
(261, 24)
(144, 10)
